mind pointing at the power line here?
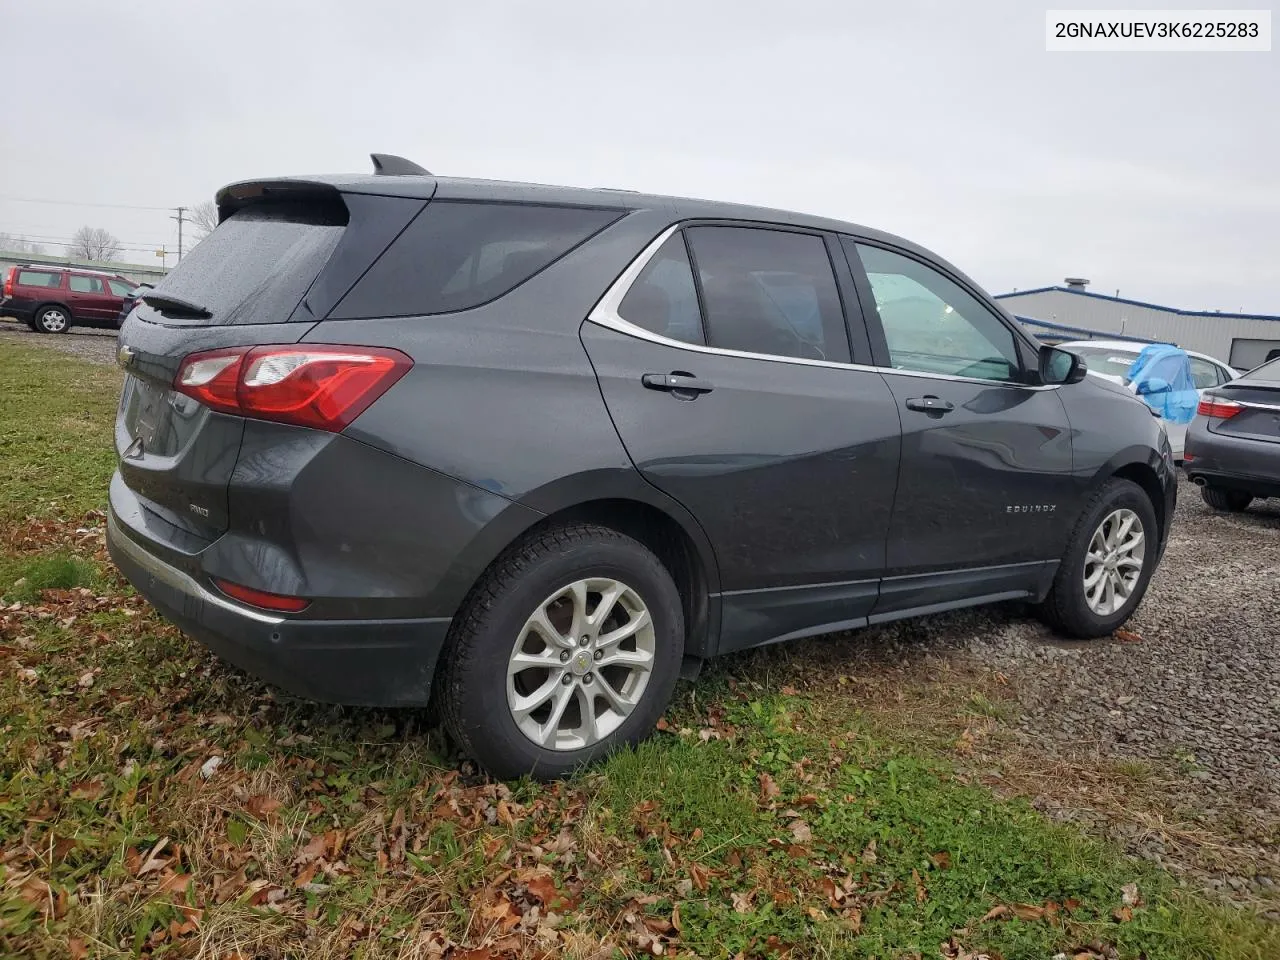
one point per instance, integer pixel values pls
(78, 203)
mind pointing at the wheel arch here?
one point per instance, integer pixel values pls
(1145, 468)
(623, 501)
(71, 315)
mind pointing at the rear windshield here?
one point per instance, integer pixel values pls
(255, 267)
(1269, 372)
(457, 255)
(1116, 363)
(39, 278)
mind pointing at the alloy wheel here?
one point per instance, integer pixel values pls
(1113, 564)
(581, 664)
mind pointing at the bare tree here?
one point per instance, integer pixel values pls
(17, 245)
(204, 217)
(93, 243)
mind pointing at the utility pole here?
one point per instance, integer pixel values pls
(181, 211)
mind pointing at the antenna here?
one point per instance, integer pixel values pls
(389, 165)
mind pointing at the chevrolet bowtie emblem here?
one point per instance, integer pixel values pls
(125, 355)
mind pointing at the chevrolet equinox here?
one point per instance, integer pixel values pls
(538, 451)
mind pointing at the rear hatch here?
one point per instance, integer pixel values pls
(1258, 394)
(264, 276)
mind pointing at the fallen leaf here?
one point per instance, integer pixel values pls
(995, 913)
(684, 888)
(210, 767)
(662, 726)
(941, 860)
(87, 789)
(869, 852)
(1123, 915)
(86, 680)
(1028, 911)
(502, 913)
(262, 806)
(1129, 895)
(921, 894)
(659, 925)
(1127, 636)
(700, 876)
(77, 949)
(800, 830)
(789, 691)
(769, 789)
(741, 902)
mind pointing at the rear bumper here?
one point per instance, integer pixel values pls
(358, 662)
(1250, 466)
(21, 309)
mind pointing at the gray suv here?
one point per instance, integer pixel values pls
(538, 452)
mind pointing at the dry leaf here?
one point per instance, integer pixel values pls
(869, 852)
(261, 806)
(768, 788)
(1028, 911)
(77, 949)
(921, 894)
(994, 913)
(941, 860)
(700, 876)
(800, 830)
(741, 902)
(1123, 915)
(87, 789)
(1127, 636)
(1129, 895)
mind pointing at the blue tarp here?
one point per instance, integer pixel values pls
(1162, 377)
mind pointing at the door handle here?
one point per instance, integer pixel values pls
(931, 405)
(676, 383)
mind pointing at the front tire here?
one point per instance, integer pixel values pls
(1228, 501)
(568, 648)
(1107, 565)
(52, 319)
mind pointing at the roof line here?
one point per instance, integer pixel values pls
(1139, 303)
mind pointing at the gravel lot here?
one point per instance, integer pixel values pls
(87, 343)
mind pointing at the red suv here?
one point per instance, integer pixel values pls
(51, 299)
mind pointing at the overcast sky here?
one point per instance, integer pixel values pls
(1154, 174)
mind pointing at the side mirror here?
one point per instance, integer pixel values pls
(1061, 366)
(1152, 385)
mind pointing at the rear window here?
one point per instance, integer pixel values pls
(457, 255)
(1115, 363)
(255, 267)
(39, 278)
(120, 288)
(1269, 372)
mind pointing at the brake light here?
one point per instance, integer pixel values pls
(1218, 408)
(321, 386)
(8, 282)
(260, 598)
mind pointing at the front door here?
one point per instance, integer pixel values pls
(985, 481)
(735, 396)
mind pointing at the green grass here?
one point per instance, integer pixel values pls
(774, 823)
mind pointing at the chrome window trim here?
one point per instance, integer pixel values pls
(1256, 406)
(605, 314)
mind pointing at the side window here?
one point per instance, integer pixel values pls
(769, 291)
(119, 288)
(41, 278)
(456, 255)
(82, 284)
(663, 299)
(1205, 373)
(932, 324)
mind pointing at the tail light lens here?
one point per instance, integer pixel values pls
(260, 598)
(8, 282)
(1218, 408)
(320, 386)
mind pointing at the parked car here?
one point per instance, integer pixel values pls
(1233, 445)
(564, 445)
(52, 299)
(130, 301)
(1111, 359)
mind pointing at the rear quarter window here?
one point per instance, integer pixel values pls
(461, 254)
(39, 278)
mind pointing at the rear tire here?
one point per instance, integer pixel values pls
(1076, 606)
(51, 318)
(1228, 501)
(609, 693)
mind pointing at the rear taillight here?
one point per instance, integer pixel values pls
(8, 282)
(260, 598)
(1218, 408)
(320, 386)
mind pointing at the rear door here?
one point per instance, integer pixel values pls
(724, 359)
(985, 486)
(89, 298)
